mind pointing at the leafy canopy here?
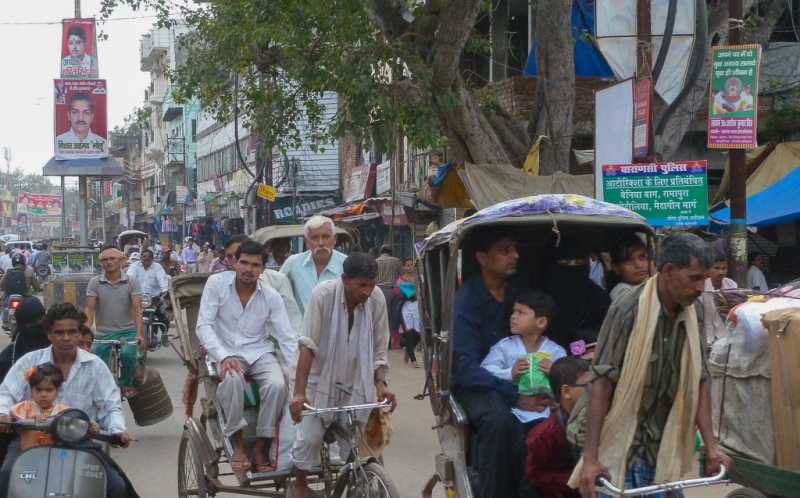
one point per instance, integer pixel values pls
(272, 60)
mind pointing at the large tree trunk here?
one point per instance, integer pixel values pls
(552, 116)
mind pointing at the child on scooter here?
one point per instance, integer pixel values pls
(45, 381)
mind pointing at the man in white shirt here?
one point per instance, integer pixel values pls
(88, 384)
(711, 299)
(235, 310)
(319, 263)
(153, 280)
(755, 277)
(189, 256)
(6, 258)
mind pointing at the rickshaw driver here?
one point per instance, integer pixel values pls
(235, 311)
(481, 318)
(651, 344)
(344, 339)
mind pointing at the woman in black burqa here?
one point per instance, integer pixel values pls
(582, 304)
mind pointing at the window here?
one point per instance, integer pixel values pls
(194, 130)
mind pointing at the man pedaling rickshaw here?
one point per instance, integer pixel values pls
(235, 310)
(649, 383)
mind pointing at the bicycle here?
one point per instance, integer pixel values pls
(359, 477)
(115, 358)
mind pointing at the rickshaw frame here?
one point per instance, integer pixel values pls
(437, 271)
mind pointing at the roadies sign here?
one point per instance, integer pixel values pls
(78, 49)
(666, 194)
(733, 107)
(80, 118)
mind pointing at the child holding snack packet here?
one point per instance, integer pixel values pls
(525, 357)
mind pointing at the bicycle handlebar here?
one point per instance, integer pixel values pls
(602, 481)
(123, 342)
(310, 410)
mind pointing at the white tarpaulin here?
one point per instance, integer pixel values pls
(615, 28)
(489, 184)
(613, 124)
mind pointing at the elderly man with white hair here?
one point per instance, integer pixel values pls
(319, 263)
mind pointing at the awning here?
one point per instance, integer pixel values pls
(778, 203)
(354, 208)
(209, 197)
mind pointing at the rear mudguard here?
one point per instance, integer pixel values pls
(45, 471)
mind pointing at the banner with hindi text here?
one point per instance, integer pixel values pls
(666, 194)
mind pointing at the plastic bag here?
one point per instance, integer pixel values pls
(534, 381)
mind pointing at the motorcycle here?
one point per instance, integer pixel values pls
(43, 273)
(14, 300)
(63, 468)
(156, 331)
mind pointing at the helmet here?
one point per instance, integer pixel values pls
(135, 256)
(18, 259)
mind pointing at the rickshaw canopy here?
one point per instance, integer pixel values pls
(551, 211)
(264, 235)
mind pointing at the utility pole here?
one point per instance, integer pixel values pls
(737, 252)
(83, 188)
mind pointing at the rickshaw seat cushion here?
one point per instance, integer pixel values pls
(251, 395)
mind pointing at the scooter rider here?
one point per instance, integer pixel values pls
(89, 386)
(18, 280)
(153, 280)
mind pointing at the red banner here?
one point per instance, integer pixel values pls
(80, 119)
(78, 49)
(641, 118)
(41, 204)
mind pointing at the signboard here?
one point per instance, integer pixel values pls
(22, 221)
(641, 118)
(78, 49)
(266, 192)
(733, 104)
(383, 177)
(80, 120)
(74, 263)
(303, 206)
(666, 194)
(399, 217)
(613, 125)
(75, 226)
(113, 206)
(38, 203)
(181, 194)
(361, 183)
(50, 221)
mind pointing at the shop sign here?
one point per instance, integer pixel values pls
(383, 178)
(304, 206)
(266, 192)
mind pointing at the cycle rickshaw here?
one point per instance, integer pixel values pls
(204, 453)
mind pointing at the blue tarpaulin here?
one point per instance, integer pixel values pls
(778, 203)
(588, 59)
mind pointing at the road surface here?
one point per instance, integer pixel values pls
(151, 463)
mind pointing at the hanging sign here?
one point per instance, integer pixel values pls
(266, 192)
(78, 49)
(733, 105)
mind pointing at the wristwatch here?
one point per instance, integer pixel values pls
(385, 382)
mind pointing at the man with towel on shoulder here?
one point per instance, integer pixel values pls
(650, 361)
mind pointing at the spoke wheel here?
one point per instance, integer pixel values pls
(191, 474)
(373, 483)
(113, 365)
(745, 493)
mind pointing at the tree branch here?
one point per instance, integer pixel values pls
(387, 15)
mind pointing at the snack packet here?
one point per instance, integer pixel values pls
(534, 381)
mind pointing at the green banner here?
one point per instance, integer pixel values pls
(666, 194)
(733, 106)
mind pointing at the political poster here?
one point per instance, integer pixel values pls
(40, 204)
(733, 104)
(641, 118)
(80, 121)
(666, 194)
(78, 50)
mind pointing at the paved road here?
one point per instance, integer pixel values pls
(151, 462)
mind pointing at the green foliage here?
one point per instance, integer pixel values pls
(134, 123)
(28, 182)
(271, 61)
(783, 122)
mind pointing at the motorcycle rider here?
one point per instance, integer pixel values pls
(153, 280)
(18, 280)
(89, 387)
(170, 266)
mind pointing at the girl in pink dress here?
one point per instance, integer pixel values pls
(45, 381)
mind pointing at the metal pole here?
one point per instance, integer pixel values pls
(83, 212)
(63, 213)
(738, 174)
(103, 206)
(78, 8)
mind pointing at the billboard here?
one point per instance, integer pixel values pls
(78, 49)
(733, 105)
(666, 194)
(80, 120)
(41, 204)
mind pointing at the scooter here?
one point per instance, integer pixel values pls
(60, 469)
(10, 323)
(156, 331)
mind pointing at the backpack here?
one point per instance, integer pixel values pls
(16, 282)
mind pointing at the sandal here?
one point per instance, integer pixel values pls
(240, 465)
(416, 365)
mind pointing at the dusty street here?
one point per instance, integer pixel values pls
(151, 463)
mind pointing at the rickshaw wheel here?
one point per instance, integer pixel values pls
(191, 474)
(378, 484)
(746, 493)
